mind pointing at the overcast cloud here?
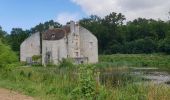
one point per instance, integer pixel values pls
(157, 9)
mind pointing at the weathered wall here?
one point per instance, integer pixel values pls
(88, 45)
(30, 47)
(57, 49)
(74, 41)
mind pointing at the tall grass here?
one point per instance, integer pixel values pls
(141, 91)
(53, 83)
(58, 84)
(44, 83)
(137, 60)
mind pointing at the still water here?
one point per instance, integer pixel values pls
(121, 76)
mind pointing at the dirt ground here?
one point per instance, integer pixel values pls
(11, 95)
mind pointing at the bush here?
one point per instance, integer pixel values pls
(50, 64)
(36, 58)
(146, 45)
(116, 48)
(66, 63)
(165, 46)
(7, 56)
(86, 86)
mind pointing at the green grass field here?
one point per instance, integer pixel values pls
(137, 60)
(53, 83)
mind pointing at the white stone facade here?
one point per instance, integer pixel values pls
(30, 47)
(88, 45)
(76, 42)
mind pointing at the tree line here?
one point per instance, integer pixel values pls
(114, 35)
(138, 36)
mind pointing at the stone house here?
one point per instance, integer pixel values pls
(70, 41)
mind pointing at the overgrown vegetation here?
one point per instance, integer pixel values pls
(65, 84)
(7, 56)
(86, 89)
(66, 63)
(43, 83)
(135, 60)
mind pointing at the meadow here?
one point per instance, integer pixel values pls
(161, 61)
(79, 82)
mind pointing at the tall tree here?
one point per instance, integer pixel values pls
(16, 37)
(44, 26)
(2, 35)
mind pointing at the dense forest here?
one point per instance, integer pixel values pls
(114, 35)
(138, 36)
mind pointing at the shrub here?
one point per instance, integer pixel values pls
(7, 56)
(164, 46)
(66, 63)
(116, 48)
(36, 58)
(146, 45)
(50, 64)
(86, 85)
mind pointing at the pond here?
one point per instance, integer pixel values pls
(123, 76)
(155, 75)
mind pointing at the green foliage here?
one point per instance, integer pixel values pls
(16, 37)
(44, 26)
(165, 45)
(86, 84)
(139, 92)
(7, 56)
(145, 45)
(36, 60)
(2, 35)
(135, 60)
(58, 84)
(66, 62)
(138, 36)
(50, 64)
(44, 83)
(36, 57)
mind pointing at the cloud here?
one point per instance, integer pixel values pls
(65, 17)
(98, 7)
(130, 8)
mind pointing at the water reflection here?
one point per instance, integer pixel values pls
(122, 76)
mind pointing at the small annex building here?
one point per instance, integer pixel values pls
(70, 41)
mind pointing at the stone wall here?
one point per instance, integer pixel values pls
(30, 47)
(57, 48)
(74, 41)
(88, 45)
